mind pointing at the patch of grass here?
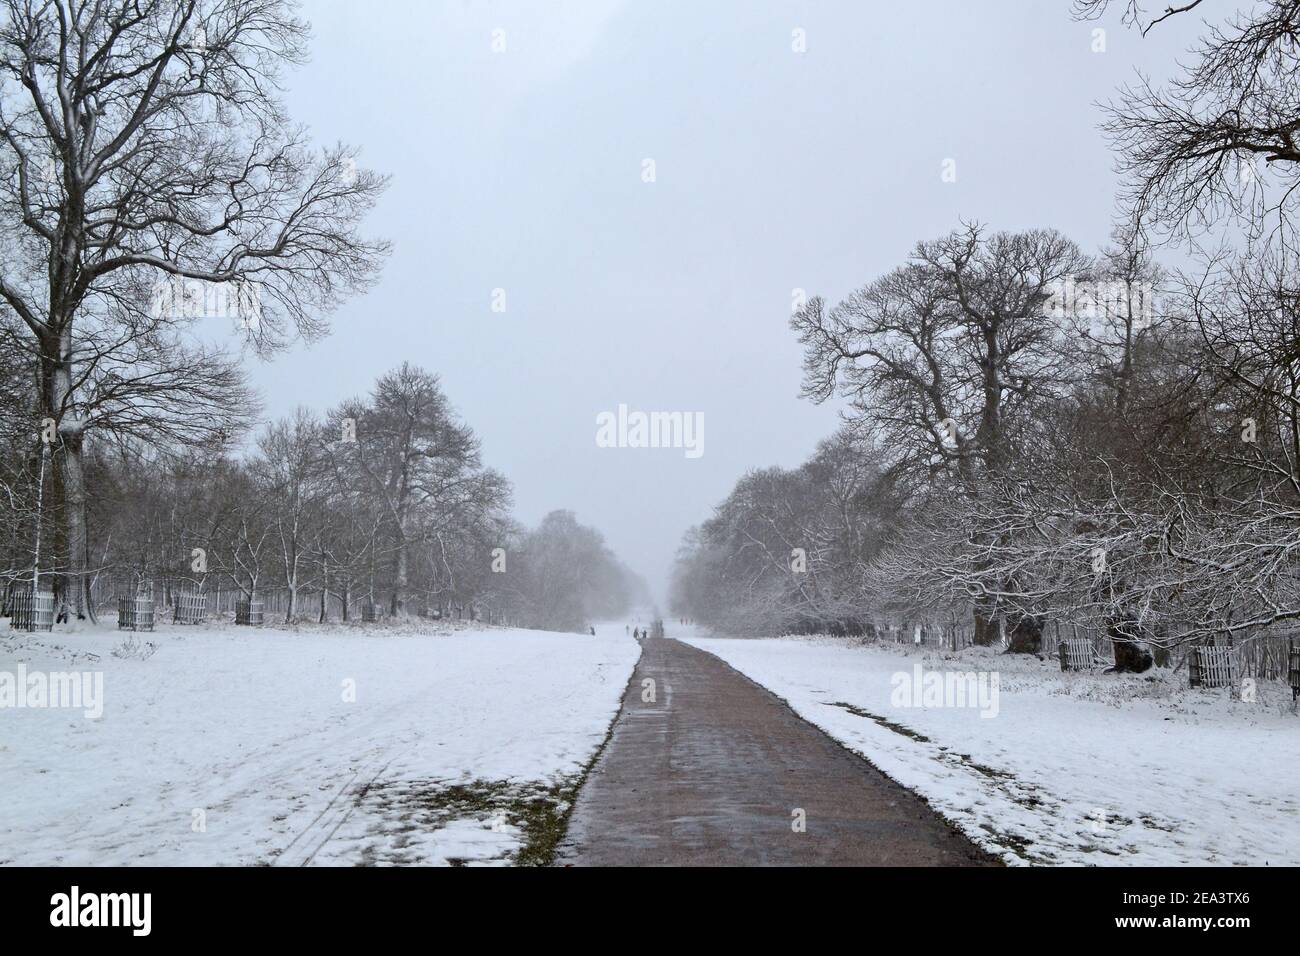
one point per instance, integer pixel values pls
(540, 812)
(1150, 823)
(883, 722)
(543, 819)
(534, 810)
(1016, 844)
(965, 760)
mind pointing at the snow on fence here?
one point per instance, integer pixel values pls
(182, 601)
(221, 599)
(1077, 654)
(190, 608)
(135, 613)
(249, 612)
(955, 634)
(1264, 655)
(32, 612)
(1210, 667)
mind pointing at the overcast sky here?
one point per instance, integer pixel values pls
(522, 170)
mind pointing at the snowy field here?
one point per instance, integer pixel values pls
(334, 745)
(1071, 769)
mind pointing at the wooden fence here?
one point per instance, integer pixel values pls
(1264, 655)
(31, 612)
(1210, 666)
(222, 601)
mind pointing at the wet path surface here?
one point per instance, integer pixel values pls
(712, 771)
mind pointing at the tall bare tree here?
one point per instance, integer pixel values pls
(295, 472)
(418, 459)
(1221, 136)
(950, 355)
(144, 152)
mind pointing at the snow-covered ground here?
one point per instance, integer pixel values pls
(1073, 768)
(404, 744)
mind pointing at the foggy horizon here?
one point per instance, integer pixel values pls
(775, 170)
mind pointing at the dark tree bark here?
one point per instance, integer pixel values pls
(1024, 634)
(986, 629)
(1132, 653)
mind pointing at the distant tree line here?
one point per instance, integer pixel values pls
(382, 501)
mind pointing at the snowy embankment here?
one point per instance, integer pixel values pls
(406, 744)
(1069, 768)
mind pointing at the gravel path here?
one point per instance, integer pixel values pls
(714, 771)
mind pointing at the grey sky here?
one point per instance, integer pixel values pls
(521, 170)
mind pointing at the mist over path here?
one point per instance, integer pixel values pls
(707, 768)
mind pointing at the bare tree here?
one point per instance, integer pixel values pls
(567, 575)
(951, 355)
(293, 470)
(144, 140)
(415, 457)
(1191, 150)
(1135, 12)
(786, 550)
(946, 353)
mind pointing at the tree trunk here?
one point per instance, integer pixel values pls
(1132, 654)
(401, 571)
(1025, 635)
(324, 591)
(1160, 652)
(69, 484)
(986, 627)
(74, 486)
